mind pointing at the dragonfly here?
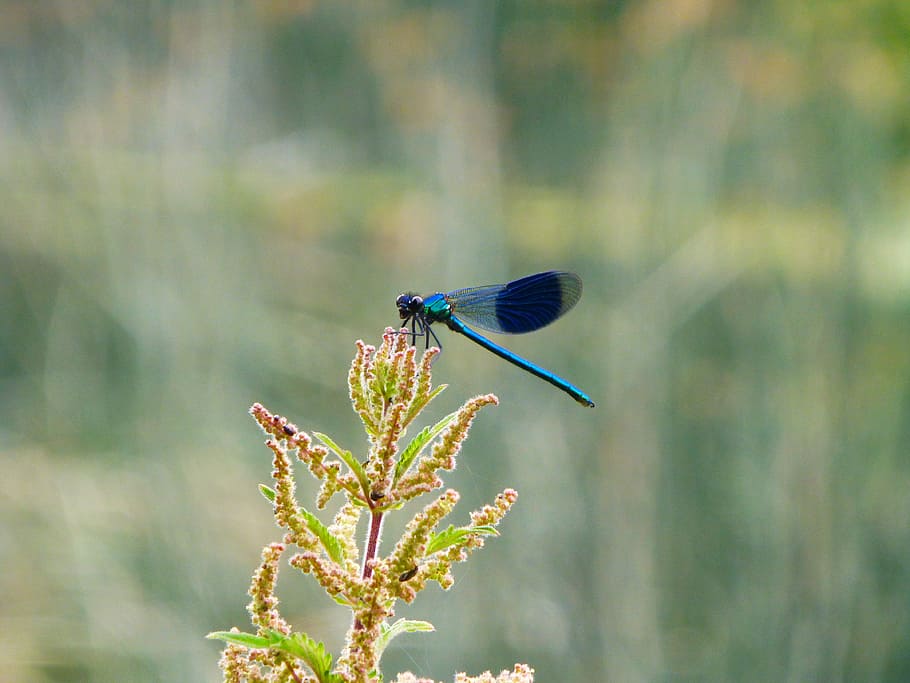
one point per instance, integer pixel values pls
(523, 305)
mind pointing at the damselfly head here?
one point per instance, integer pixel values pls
(409, 305)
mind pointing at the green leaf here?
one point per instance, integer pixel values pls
(245, 639)
(455, 535)
(268, 493)
(417, 444)
(417, 407)
(330, 542)
(341, 600)
(308, 650)
(348, 459)
(328, 441)
(297, 645)
(438, 390)
(313, 652)
(401, 626)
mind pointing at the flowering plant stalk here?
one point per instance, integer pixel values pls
(389, 388)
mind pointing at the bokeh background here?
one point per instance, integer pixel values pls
(204, 204)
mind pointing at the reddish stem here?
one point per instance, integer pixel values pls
(372, 549)
(372, 543)
(293, 673)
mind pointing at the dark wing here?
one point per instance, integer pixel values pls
(522, 305)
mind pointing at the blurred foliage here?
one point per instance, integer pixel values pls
(204, 204)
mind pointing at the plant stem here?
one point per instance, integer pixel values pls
(292, 672)
(376, 518)
(372, 543)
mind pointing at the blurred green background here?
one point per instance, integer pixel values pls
(204, 204)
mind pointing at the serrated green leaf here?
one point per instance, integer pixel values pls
(330, 542)
(401, 626)
(301, 646)
(245, 639)
(308, 650)
(454, 535)
(268, 493)
(298, 645)
(348, 458)
(417, 444)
